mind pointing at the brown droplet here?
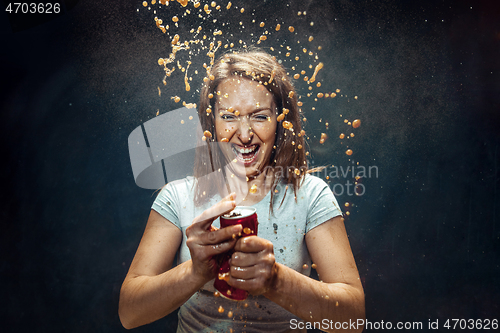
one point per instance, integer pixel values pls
(207, 134)
(221, 309)
(224, 140)
(316, 70)
(305, 266)
(253, 189)
(175, 40)
(348, 152)
(278, 27)
(291, 29)
(314, 266)
(247, 231)
(356, 123)
(216, 294)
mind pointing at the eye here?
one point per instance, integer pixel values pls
(261, 117)
(227, 116)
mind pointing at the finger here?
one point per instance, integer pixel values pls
(253, 244)
(243, 273)
(261, 259)
(253, 285)
(204, 220)
(221, 235)
(242, 259)
(215, 249)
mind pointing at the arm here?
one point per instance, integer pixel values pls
(152, 289)
(338, 297)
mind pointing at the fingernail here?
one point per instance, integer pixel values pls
(236, 229)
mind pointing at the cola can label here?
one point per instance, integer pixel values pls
(247, 217)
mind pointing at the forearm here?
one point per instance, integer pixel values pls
(144, 299)
(313, 300)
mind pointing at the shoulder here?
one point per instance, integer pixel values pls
(174, 193)
(180, 186)
(312, 183)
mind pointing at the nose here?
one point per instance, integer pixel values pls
(245, 132)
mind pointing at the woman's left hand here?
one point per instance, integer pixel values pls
(253, 267)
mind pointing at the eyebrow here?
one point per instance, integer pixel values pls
(254, 111)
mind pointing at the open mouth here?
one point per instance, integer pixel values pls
(246, 155)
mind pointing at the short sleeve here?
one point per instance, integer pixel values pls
(166, 202)
(323, 205)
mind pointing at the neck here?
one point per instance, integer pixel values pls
(250, 189)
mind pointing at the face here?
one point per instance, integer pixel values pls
(245, 117)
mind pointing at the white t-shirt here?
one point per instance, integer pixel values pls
(286, 229)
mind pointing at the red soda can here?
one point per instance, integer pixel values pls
(247, 217)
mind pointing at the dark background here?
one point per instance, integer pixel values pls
(425, 234)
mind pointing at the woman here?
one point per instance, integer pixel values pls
(249, 112)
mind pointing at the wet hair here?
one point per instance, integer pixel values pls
(287, 163)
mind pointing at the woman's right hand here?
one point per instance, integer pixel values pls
(204, 241)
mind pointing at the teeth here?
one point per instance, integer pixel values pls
(245, 150)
